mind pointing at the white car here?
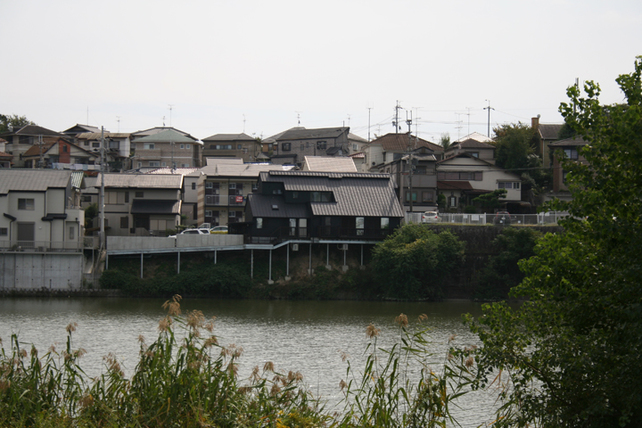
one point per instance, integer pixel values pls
(192, 232)
(219, 229)
(430, 217)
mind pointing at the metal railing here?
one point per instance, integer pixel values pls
(44, 246)
(547, 218)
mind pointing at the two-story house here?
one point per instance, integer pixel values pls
(393, 146)
(41, 209)
(141, 204)
(415, 177)
(463, 177)
(475, 144)
(117, 147)
(324, 205)
(231, 146)
(291, 146)
(547, 133)
(570, 149)
(224, 190)
(59, 153)
(19, 141)
(165, 147)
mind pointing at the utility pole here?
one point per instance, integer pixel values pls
(102, 188)
(369, 108)
(489, 108)
(409, 122)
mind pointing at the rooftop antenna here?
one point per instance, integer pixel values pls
(298, 118)
(163, 120)
(244, 123)
(118, 120)
(468, 114)
(458, 127)
(396, 122)
(170, 114)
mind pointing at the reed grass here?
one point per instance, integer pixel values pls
(186, 379)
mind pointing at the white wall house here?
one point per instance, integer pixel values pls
(463, 177)
(40, 209)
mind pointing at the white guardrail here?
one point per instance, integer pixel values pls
(547, 218)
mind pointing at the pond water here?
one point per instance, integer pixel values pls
(304, 336)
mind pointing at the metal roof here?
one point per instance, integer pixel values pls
(274, 206)
(236, 169)
(300, 133)
(355, 194)
(143, 181)
(575, 141)
(329, 164)
(169, 136)
(37, 180)
(229, 137)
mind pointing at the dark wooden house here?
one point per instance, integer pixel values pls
(306, 205)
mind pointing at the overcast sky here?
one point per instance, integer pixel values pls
(261, 67)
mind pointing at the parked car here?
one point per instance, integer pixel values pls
(207, 226)
(218, 229)
(192, 232)
(502, 218)
(430, 217)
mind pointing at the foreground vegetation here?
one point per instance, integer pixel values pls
(185, 379)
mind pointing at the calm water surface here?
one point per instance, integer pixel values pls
(296, 335)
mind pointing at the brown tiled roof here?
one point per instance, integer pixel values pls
(35, 150)
(549, 131)
(229, 137)
(399, 143)
(5, 155)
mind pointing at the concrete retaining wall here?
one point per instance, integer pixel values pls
(34, 271)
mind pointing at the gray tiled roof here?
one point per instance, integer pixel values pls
(549, 131)
(399, 143)
(229, 137)
(575, 141)
(356, 194)
(33, 130)
(303, 133)
(32, 180)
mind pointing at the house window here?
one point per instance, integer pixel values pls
(149, 146)
(187, 146)
(85, 198)
(414, 196)
(140, 194)
(321, 196)
(428, 196)
(72, 233)
(163, 163)
(259, 223)
(255, 186)
(65, 149)
(360, 225)
(474, 154)
(452, 201)
(193, 186)
(182, 146)
(385, 222)
(154, 164)
(239, 147)
(124, 222)
(4, 231)
(95, 144)
(126, 197)
(321, 145)
(139, 164)
(286, 147)
(571, 153)
(209, 185)
(508, 185)
(26, 204)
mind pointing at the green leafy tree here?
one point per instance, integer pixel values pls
(414, 261)
(513, 144)
(491, 201)
(445, 141)
(13, 121)
(572, 350)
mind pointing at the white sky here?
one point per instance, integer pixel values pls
(254, 66)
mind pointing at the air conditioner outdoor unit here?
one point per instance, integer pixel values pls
(295, 247)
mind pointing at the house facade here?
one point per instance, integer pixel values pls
(415, 177)
(141, 204)
(240, 146)
(463, 177)
(568, 148)
(117, 147)
(322, 205)
(41, 209)
(475, 144)
(224, 187)
(59, 153)
(18, 142)
(291, 146)
(165, 147)
(393, 146)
